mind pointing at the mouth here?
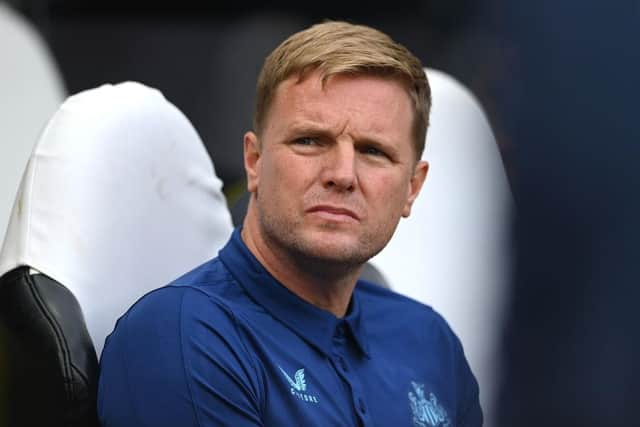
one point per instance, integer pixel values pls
(334, 213)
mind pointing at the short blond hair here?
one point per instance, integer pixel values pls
(336, 47)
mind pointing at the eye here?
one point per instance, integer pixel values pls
(305, 140)
(373, 151)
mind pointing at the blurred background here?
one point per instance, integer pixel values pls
(559, 84)
(205, 56)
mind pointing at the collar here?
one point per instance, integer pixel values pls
(312, 324)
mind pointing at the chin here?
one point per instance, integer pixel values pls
(327, 243)
(345, 252)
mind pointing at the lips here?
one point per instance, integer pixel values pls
(334, 212)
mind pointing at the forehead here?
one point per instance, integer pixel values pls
(362, 103)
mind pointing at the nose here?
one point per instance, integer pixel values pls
(340, 168)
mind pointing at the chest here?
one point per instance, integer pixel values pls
(346, 388)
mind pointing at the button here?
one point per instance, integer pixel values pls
(340, 330)
(362, 407)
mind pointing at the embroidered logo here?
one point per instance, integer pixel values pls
(299, 386)
(426, 412)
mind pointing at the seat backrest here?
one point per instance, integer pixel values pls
(31, 89)
(119, 197)
(451, 252)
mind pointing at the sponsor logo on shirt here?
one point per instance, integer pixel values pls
(299, 386)
(427, 412)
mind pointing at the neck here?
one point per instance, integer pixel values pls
(326, 285)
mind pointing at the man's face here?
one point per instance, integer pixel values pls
(334, 168)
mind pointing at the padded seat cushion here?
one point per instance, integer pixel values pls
(34, 312)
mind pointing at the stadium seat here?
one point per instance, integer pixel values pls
(119, 197)
(31, 89)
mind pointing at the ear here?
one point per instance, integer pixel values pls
(415, 184)
(252, 160)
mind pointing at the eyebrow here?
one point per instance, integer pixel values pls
(314, 129)
(310, 128)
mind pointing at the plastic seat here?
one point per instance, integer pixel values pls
(31, 90)
(119, 197)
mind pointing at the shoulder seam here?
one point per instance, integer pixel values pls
(250, 355)
(184, 363)
(236, 324)
(125, 362)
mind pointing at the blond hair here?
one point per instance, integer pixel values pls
(342, 48)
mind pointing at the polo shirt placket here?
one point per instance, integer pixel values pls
(340, 360)
(336, 339)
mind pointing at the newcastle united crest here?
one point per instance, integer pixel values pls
(427, 412)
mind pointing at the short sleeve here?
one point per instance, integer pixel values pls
(470, 412)
(177, 359)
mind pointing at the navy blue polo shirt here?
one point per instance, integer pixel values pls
(228, 345)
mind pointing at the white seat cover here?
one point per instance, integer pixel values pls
(30, 91)
(119, 197)
(451, 253)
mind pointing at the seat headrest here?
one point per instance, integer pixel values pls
(119, 197)
(32, 89)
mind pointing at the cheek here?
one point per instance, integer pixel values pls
(297, 172)
(390, 192)
(284, 179)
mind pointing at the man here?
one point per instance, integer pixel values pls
(278, 331)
